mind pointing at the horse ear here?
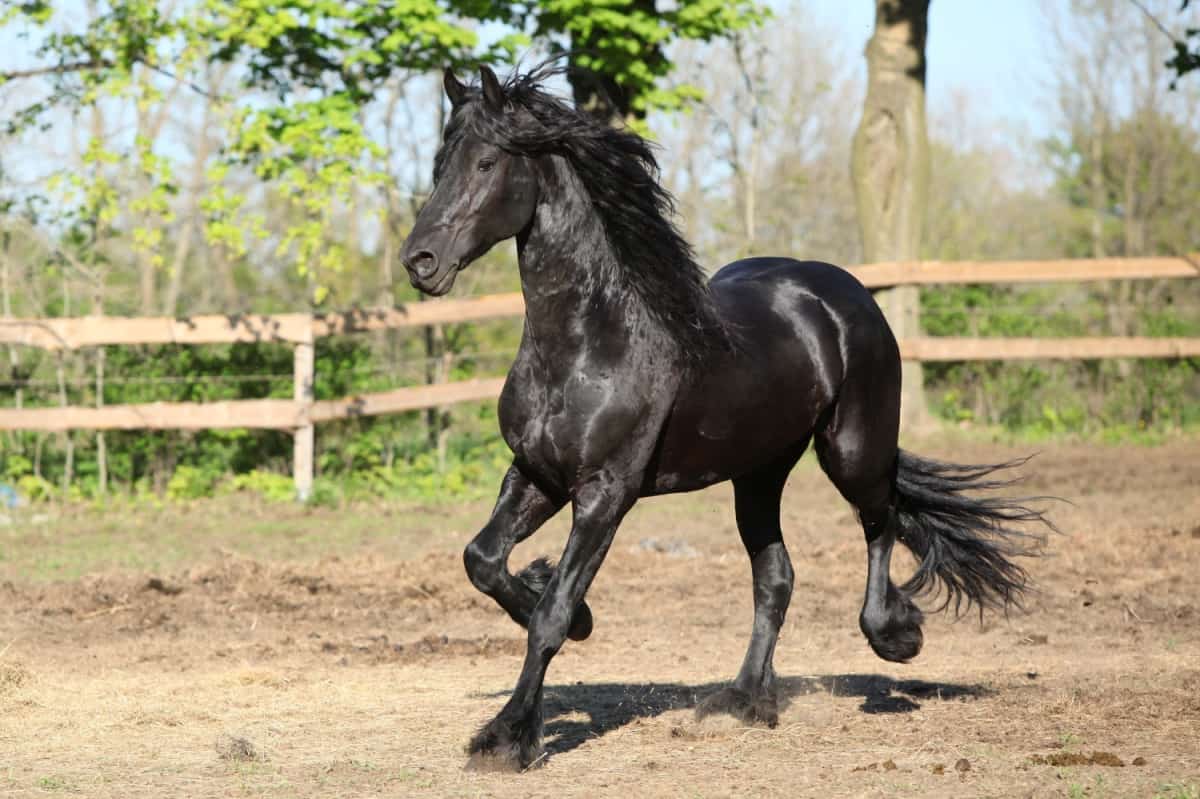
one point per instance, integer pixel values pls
(455, 89)
(493, 93)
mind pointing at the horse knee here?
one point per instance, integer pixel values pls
(485, 567)
(548, 629)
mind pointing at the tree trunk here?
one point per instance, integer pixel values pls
(14, 358)
(890, 166)
(1097, 187)
(101, 444)
(599, 95)
(67, 436)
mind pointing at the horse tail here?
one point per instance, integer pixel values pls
(965, 544)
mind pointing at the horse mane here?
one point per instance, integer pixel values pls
(618, 169)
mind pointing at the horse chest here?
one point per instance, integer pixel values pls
(561, 426)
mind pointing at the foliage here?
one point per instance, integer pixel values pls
(1144, 205)
(271, 486)
(627, 41)
(318, 63)
(357, 457)
(1133, 199)
(1186, 57)
(190, 482)
(309, 70)
(294, 145)
(1110, 398)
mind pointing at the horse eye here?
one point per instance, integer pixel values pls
(486, 164)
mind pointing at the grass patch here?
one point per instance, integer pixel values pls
(71, 541)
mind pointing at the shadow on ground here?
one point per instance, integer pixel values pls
(610, 706)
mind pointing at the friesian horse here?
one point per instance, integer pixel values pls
(636, 377)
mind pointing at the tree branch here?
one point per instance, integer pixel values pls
(1155, 20)
(57, 69)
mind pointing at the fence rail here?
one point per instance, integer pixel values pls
(301, 413)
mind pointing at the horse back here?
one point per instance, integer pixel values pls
(796, 328)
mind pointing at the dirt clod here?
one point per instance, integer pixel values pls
(315, 584)
(12, 677)
(1078, 759)
(163, 587)
(238, 749)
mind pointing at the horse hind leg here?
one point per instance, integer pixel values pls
(857, 450)
(752, 697)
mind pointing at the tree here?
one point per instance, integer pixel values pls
(1186, 46)
(890, 165)
(308, 69)
(761, 164)
(619, 49)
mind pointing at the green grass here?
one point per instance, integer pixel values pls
(54, 784)
(1180, 790)
(64, 543)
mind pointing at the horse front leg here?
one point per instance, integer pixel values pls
(512, 741)
(521, 509)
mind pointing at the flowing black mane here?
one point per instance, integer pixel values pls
(620, 173)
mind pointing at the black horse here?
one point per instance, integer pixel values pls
(635, 378)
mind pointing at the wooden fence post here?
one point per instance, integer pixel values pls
(304, 373)
(901, 307)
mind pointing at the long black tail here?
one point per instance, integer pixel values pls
(965, 543)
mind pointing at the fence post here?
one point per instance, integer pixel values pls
(901, 307)
(303, 374)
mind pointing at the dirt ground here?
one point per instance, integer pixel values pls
(271, 664)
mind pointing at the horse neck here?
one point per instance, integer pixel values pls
(569, 271)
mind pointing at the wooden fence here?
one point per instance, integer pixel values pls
(301, 413)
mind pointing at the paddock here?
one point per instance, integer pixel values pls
(226, 649)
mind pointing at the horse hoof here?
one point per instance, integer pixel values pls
(761, 709)
(900, 646)
(581, 623)
(494, 762)
(503, 747)
(897, 636)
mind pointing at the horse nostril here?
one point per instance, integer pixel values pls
(422, 263)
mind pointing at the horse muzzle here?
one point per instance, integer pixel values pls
(428, 273)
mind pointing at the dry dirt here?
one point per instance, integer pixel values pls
(364, 674)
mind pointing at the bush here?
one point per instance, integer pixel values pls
(191, 482)
(270, 486)
(325, 493)
(35, 489)
(1110, 398)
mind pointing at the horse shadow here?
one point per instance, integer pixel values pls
(611, 706)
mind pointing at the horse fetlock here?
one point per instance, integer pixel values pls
(581, 623)
(758, 707)
(502, 745)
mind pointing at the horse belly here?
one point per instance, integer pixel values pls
(735, 421)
